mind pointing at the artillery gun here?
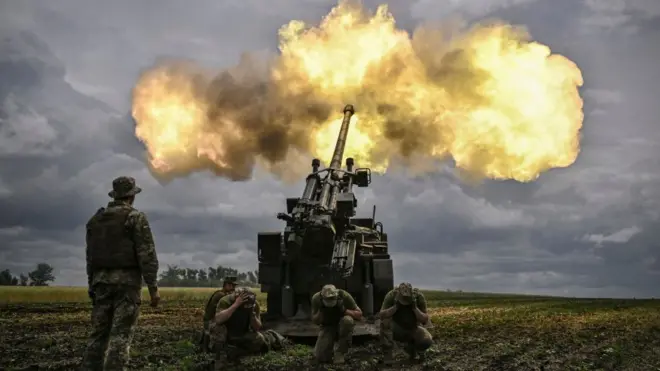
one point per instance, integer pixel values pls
(324, 243)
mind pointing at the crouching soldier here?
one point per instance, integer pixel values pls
(237, 324)
(335, 311)
(228, 286)
(401, 316)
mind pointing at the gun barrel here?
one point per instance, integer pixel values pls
(335, 163)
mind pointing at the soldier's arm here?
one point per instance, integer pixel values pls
(351, 307)
(420, 309)
(388, 308)
(316, 309)
(226, 308)
(255, 319)
(145, 249)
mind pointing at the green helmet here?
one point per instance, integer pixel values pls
(329, 295)
(404, 293)
(251, 296)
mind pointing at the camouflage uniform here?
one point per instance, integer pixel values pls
(403, 325)
(335, 325)
(210, 311)
(237, 331)
(120, 253)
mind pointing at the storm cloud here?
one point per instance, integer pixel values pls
(66, 73)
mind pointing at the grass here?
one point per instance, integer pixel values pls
(46, 328)
(60, 294)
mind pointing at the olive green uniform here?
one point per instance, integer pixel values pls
(403, 325)
(210, 309)
(335, 325)
(120, 254)
(238, 333)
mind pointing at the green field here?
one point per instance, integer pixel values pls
(46, 328)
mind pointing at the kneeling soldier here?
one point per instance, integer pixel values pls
(335, 311)
(228, 286)
(237, 323)
(402, 313)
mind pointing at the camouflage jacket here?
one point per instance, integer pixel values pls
(145, 250)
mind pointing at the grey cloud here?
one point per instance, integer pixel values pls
(619, 15)
(429, 9)
(70, 67)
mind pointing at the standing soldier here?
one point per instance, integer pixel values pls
(335, 311)
(237, 323)
(228, 286)
(120, 254)
(402, 313)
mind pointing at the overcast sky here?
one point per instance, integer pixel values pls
(67, 68)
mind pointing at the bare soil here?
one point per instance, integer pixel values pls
(477, 332)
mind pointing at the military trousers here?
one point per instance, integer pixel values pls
(342, 333)
(250, 342)
(114, 316)
(418, 339)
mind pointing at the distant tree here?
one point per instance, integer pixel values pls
(174, 276)
(213, 274)
(7, 279)
(201, 276)
(23, 280)
(42, 275)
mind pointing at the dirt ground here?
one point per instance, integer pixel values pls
(472, 333)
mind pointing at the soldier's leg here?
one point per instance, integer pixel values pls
(205, 341)
(253, 343)
(324, 344)
(386, 339)
(275, 340)
(218, 340)
(421, 340)
(98, 339)
(405, 336)
(126, 311)
(345, 337)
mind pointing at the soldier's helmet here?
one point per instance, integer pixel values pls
(229, 280)
(124, 186)
(404, 293)
(251, 296)
(329, 295)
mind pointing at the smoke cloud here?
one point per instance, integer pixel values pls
(500, 105)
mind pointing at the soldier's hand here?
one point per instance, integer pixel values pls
(155, 298)
(241, 299)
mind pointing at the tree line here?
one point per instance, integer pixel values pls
(40, 276)
(174, 276)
